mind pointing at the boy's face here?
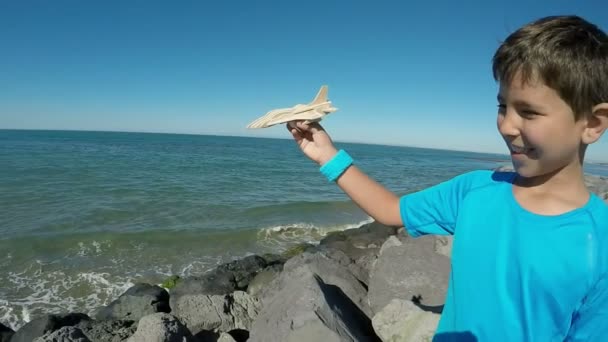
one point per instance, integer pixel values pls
(538, 127)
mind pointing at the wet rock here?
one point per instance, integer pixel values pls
(160, 327)
(65, 334)
(43, 325)
(138, 301)
(107, 330)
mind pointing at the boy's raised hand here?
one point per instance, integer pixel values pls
(312, 140)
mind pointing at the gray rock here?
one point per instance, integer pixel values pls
(215, 282)
(333, 270)
(369, 234)
(401, 320)
(263, 278)
(443, 245)
(412, 270)
(217, 312)
(65, 334)
(224, 337)
(5, 333)
(306, 308)
(160, 327)
(40, 326)
(244, 269)
(598, 185)
(222, 280)
(273, 259)
(355, 267)
(390, 242)
(362, 245)
(107, 330)
(138, 301)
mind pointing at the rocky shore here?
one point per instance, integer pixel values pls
(373, 283)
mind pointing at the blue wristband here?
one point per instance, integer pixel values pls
(336, 166)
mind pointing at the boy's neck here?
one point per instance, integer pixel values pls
(566, 179)
(563, 188)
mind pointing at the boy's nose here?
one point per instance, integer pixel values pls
(508, 124)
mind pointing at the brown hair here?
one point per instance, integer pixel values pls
(567, 53)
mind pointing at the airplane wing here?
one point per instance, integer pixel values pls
(273, 114)
(312, 115)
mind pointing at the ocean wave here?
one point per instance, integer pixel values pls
(99, 268)
(301, 208)
(282, 237)
(40, 292)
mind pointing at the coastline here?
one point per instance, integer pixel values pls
(250, 299)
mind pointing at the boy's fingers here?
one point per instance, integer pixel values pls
(312, 127)
(295, 131)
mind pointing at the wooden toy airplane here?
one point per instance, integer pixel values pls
(312, 112)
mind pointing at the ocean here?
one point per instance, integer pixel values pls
(85, 215)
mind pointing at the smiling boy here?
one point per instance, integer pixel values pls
(530, 253)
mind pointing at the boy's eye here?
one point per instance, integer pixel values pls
(502, 108)
(528, 113)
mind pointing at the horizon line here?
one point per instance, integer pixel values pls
(507, 157)
(245, 136)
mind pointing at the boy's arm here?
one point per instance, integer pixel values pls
(373, 198)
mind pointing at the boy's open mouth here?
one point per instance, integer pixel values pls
(520, 150)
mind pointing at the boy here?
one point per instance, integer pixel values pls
(530, 253)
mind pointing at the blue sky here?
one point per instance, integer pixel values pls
(403, 74)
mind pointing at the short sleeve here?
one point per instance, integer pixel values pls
(434, 210)
(590, 322)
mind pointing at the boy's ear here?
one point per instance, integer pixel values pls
(597, 124)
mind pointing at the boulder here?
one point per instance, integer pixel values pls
(339, 257)
(214, 282)
(222, 280)
(65, 334)
(307, 308)
(410, 271)
(443, 245)
(273, 259)
(43, 325)
(263, 278)
(225, 337)
(160, 327)
(107, 330)
(5, 333)
(138, 301)
(366, 236)
(598, 185)
(361, 245)
(244, 269)
(223, 313)
(401, 320)
(333, 270)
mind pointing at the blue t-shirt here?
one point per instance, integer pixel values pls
(516, 275)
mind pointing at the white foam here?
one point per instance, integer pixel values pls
(283, 236)
(55, 292)
(200, 266)
(92, 248)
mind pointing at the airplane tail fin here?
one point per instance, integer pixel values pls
(321, 95)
